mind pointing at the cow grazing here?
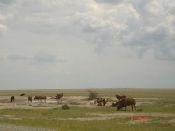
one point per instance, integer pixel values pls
(40, 98)
(29, 99)
(120, 97)
(12, 98)
(126, 102)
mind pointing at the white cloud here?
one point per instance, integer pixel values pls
(3, 29)
(78, 30)
(133, 23)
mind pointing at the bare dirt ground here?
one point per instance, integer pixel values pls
(21, 102)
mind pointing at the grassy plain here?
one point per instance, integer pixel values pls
(157, 104)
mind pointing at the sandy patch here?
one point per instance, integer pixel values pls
(172, 121)
(145, 102)
(80, 101)
(151, 98)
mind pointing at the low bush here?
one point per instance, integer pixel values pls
(65, 107)
(92, 95)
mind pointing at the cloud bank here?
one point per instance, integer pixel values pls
(138, 25)
(73, 34)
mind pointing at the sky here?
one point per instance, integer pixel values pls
(87, 44)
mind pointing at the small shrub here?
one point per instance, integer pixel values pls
(65, 107)
(92, 95)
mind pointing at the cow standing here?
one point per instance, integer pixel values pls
(30, 99)
(12, 98)
(120, 97)
(126, 102)
(58, 97)
(40, 98)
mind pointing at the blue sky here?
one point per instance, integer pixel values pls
(87, 43)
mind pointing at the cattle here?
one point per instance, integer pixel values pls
(120, 97)
(40, 98)
(126, 102)
(104, 101)
(12, 98)
(29, 99)
(100, 101)
(58, 97)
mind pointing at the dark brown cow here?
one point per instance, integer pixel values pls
(104, 101)
(40, 98)
(29, 99)
(12, 98)
(58, 97)
(126, 102)
(120, 97)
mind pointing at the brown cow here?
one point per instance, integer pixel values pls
(126, 102)
(120, 97)
(29, 99)
(40, 98)
(59, 97)
(100, 102)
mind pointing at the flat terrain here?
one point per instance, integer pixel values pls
(155, 111)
